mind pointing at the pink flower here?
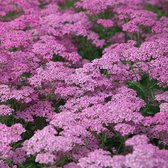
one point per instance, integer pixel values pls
(105, 22)
(5, 110)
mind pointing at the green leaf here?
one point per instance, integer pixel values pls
(57, 58)
(30, 163)
(68, 4)
(145, 89)
(86, 49)
(64, 160)
(157, 10)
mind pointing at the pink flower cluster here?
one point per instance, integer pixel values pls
(59, 109)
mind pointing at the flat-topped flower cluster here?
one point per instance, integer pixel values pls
(83, 83)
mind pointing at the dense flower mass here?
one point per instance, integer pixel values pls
(83, 84)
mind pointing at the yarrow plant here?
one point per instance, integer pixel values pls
(83, 84)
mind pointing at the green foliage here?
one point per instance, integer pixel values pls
(23, 80)
(157, 10)
(9, 120)
(15, 104)
(104, 15)
(29, 132)
(30, 163)
(16, 145)
(13, 49)
(145, 89)
(10, 15)
(8, 162)
(39, 123)
(67, 4)
(57, 104)
(106, 33)
(114, 144)
(159, 143)
(105, 72)
(86, 49)
(57, 58)
(26, 75)
(64, 160)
